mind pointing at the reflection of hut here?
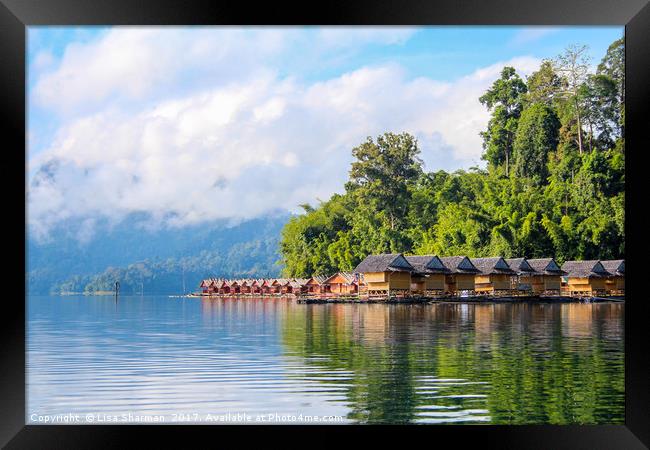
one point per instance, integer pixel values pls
(429, 275)
(494, 275)
(341, 283)
(584, 277)
(522, 268)
(314, 284)
(386, 274)
(461, 274)
(547, 276)
(615, 282)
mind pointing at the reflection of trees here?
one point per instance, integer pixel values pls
(519, 363)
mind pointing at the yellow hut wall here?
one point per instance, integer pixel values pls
(585, 284)
(484, 283)
(615, 284)
(459, 282)
(399, 280)
(435, 282)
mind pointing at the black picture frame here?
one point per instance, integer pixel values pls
(16, 15)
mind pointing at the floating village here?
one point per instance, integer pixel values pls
(400, 278)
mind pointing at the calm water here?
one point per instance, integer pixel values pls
(445, 363)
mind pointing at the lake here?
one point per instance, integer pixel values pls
(195, 360)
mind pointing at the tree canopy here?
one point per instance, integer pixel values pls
(554, 183)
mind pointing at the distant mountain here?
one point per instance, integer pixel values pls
(76, 258)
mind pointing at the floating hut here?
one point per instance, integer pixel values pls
(385, 274)
(615, 283)
(547, 278)
(495, 276)
(584, 278)
(314, 285)
(205, 286)
(341, 283)
(461, 274)
(524, 272)
(244, 287)
(256, 286)
(429, 275)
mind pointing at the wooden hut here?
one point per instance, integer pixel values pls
(494, 277)
(268, 287)
(523, 270)
(547, 276)
(256, 286)
(244, 286)
(234, 286)
(460, 277)
(205, 286)
(584, 278)
(221, 287)
(341, 283)
(429, 275)
(615, 282)
(385, 274)
(314, 285)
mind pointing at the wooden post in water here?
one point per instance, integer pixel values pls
(117, 289)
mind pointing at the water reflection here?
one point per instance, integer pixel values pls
(497, 363)
(445, 363)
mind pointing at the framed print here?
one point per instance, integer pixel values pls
(413, 217)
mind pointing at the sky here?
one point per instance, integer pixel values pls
(193, 124)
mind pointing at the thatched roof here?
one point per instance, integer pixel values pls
(584, 269)
(545, 266)
(427, 264)
(614, 266)
(390, 262)
(349, 277)
(459, 264)
(316, 279)
(520, 265)
(492, 266)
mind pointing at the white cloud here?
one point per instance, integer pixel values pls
(236, 148)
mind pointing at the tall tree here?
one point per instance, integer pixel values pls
(504, 100)
(573, 66)
(613, 65)
(544, 85)
(537, 135)
(382, 173)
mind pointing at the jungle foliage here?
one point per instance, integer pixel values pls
(554, 183)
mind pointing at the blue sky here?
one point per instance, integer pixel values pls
(124, 116)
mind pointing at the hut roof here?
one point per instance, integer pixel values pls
(387, 262)
(294, 284)
(520, 265)
(427, 264)
(584, 269)
(349, 277)
(316, 279)
(301, 281)
(492, 266)
(546, 266)
(614, 266)
(459, 264)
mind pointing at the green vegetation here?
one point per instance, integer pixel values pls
(563, 366)
(554, 183)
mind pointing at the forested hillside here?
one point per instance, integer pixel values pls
(153, 261)
(554, 183)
